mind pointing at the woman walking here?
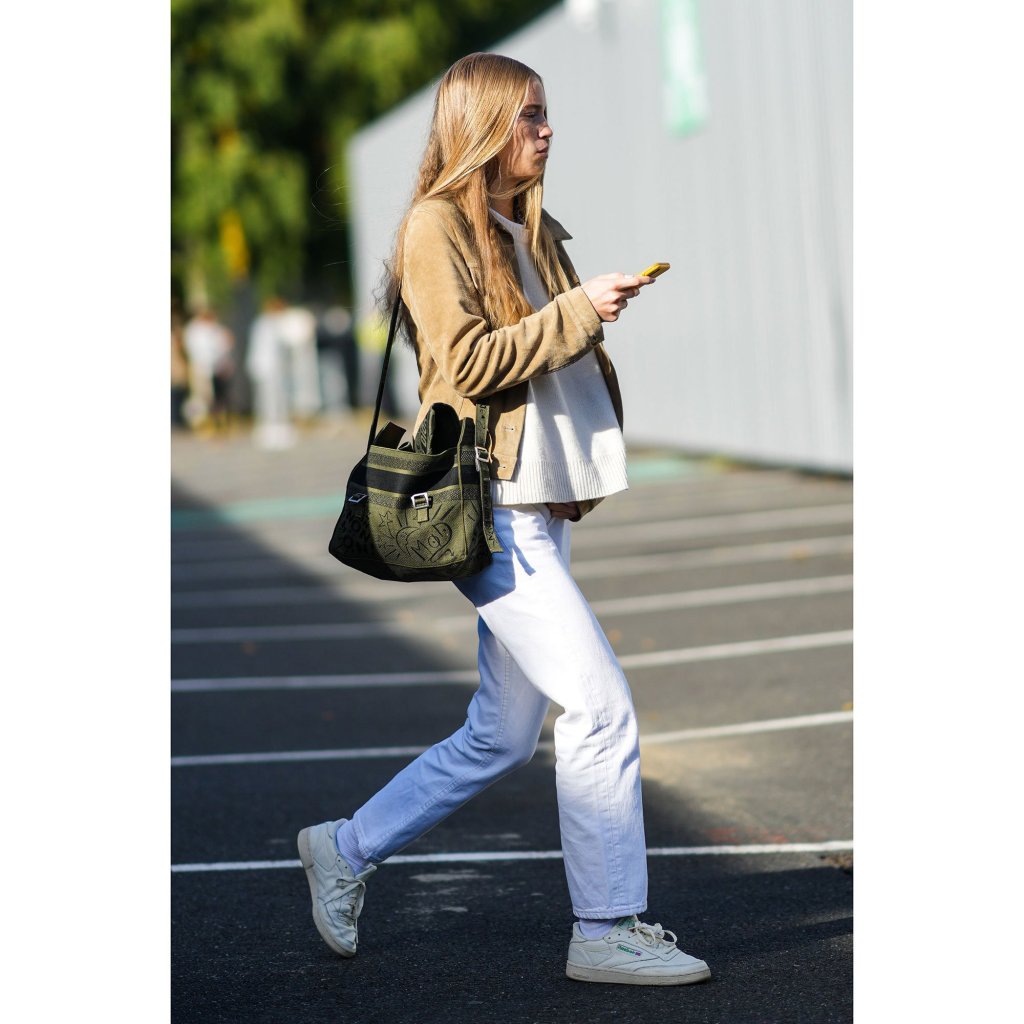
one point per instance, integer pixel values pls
(495, 311)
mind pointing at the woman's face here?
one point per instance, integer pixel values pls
(526, 153)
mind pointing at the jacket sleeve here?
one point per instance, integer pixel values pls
(445, 304)
(587, 505)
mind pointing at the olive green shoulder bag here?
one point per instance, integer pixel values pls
(419, 510)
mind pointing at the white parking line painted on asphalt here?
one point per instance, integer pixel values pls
(684, 655)
(309, 631)
(739, 594)
(373, 753)
(291, 756)
(337, 587)
(831, 846)
(749, 728)
(705, 526)
(418, 624)
(592, 536)
(702, 558)
(340, 682)
(741, 649)
(340, 586)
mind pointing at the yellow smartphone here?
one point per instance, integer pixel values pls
(654, 270)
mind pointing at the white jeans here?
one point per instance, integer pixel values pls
(539, 642)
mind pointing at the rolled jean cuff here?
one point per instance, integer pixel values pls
(607, 913)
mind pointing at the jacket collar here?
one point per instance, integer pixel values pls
(558, 233)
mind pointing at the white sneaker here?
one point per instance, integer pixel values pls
(337, 892)
(633, 953)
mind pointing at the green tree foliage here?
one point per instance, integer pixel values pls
(265, 96)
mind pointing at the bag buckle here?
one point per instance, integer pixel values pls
(421, 502)
(355, 499)
(482, 456)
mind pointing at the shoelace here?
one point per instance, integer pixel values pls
(653, 934)
(351, 890)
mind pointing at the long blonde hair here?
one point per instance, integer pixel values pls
(475, 113)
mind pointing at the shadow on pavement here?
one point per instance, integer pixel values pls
(453, 942)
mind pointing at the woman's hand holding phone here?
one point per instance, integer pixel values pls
(610, 293)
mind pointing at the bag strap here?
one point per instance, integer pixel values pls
(483, 465)
(483, 462)
(384, 372)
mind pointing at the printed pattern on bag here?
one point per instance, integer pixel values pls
(384, 535)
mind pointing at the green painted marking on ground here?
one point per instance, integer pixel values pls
(642, 470)
(646, 471)
(257, 510)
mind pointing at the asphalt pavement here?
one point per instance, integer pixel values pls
(299, 687)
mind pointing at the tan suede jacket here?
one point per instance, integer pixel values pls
(461, 359)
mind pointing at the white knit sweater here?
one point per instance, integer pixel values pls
(572, 446)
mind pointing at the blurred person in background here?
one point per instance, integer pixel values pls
(339, 362)
(209, 346)
(266, 362)
(495, 312)
(297, 329)
(179, 370)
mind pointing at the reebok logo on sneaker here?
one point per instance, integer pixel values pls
(626, 949)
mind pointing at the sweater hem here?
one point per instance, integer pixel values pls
(538, 482)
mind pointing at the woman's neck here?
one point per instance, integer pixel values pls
(505, 206)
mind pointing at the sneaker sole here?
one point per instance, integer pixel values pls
(306, 857)
(578, 973)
